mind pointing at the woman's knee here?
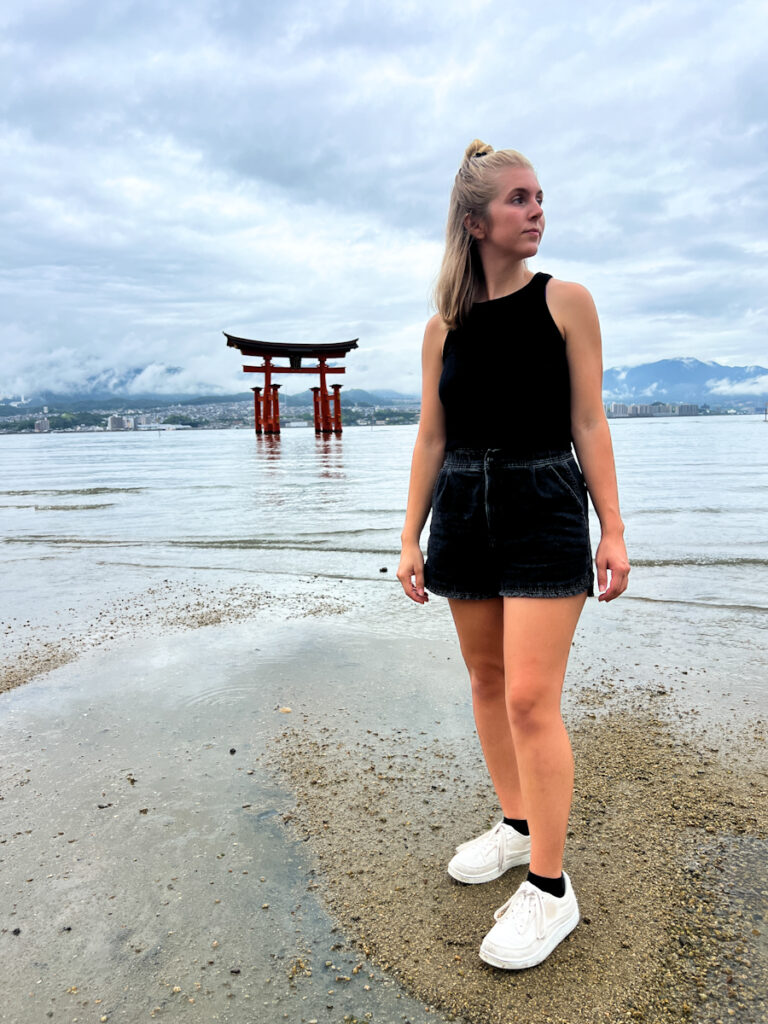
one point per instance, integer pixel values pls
(487, 678)
(531, 705)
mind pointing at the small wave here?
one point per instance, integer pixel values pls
(698, 560)
(61, 492)
(318, 535)
(735, 607)
(75, 541)
(688, 510)
(208, 545)
(276, 545)
(211, 487)
(381, 511)
(70, 508)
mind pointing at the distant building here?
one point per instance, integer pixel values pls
(43, 425)
(655, 409)
(120, 423)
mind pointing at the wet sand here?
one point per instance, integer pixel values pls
(178, 844)
(666, 850)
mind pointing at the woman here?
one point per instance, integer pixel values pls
(512, 377)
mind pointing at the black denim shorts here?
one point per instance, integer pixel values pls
(509, 527)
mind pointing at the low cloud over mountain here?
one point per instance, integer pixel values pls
(667, 380)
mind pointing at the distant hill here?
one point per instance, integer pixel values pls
(85, 400)
(686, 380)
(354, 396)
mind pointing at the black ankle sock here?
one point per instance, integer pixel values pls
(554, 886)
(518, 824)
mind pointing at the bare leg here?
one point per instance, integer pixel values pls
(537, 641)
(480, 627)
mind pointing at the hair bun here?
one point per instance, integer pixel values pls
(477, 148)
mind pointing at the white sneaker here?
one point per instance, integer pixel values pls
(490, 855)
(529, 926)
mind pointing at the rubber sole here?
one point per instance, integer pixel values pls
(552, 942)
(487, 876)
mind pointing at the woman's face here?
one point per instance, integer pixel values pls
(515, 221)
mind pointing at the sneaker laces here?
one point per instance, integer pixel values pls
(493, 837)
(526, 902)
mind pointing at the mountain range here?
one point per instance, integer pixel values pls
(686, 380)
(666, 380)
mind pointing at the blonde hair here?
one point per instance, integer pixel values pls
(475, 185)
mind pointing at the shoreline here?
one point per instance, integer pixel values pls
(170, 607)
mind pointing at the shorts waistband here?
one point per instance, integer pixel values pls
(478, 458)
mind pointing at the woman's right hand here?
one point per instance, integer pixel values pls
(410, 572)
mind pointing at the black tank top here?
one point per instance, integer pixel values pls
(505, 380)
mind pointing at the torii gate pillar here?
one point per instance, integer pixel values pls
(257, 417)
(337, 408)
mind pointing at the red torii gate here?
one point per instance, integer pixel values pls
(266, 406)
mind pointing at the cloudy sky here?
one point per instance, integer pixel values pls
(176, 168)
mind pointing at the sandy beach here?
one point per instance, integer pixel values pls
(237, 804)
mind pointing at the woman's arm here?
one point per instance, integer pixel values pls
(574, 312)
(428, 454)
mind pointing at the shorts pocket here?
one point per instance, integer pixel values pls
(572, 483)
(439, 484)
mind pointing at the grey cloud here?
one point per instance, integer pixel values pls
(179, 169)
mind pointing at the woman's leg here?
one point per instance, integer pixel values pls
(537, 640)
(480, 627)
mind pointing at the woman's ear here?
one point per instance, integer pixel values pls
(474, 227)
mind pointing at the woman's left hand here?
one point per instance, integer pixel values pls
(611, 558)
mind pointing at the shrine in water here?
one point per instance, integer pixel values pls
(266, 402)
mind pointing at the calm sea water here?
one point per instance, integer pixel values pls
(77, 510)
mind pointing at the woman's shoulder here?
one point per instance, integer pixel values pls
(435, 333)
(436, 325)
(572, 307)
(569, 292)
